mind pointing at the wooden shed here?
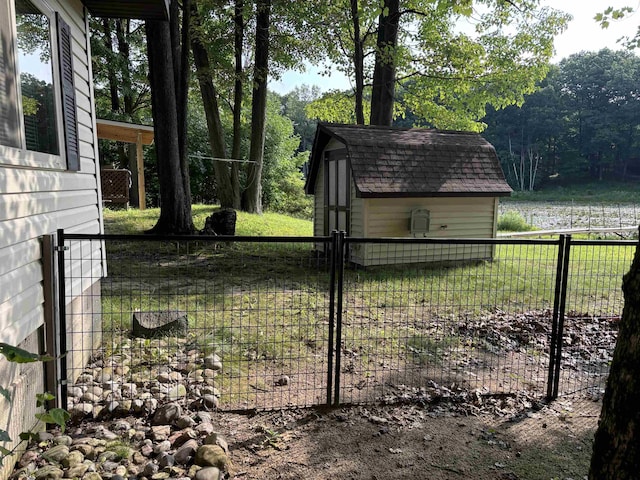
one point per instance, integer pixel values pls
(375, 181)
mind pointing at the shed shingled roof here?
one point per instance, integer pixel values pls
(397, 162)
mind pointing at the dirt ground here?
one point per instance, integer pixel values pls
(413, 442)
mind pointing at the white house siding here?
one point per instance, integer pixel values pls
(451, 217)
(36, 198)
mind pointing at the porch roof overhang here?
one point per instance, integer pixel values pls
(124, 132)
(138, 9)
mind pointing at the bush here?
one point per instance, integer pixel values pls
(512, 221)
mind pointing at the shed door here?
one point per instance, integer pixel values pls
(337, 181)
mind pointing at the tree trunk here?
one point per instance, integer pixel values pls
(252, 196)
(616, 447)
(111, 71)
(358, 63)
(224, 188)
(384, 71)
(175, 208)
(238, 36)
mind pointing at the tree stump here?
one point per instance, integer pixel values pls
(616, 447)
(220, 222)
(159, 324)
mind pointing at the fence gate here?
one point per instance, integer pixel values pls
(241, 323)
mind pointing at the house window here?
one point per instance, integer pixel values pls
(36, 78)
(37, 97)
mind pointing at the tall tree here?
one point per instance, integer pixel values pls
(252, 195)
(167, 46)
(384, 71)
(616, 447)
(226, 190)
(447, 77)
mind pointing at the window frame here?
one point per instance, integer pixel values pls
(21, 156)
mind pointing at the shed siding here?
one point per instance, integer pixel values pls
(318, 203)
(37, 197)
(458, 217)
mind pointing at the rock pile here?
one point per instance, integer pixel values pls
(171, 444)
(143, 375)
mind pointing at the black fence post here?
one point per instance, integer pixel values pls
(332, 312)
(557, 327)
(340, 296)
(62, 322)
(563, 303)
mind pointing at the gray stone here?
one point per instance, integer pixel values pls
(205, 417)
(74, 458)
(162, 323)
(89, 397)
(63, 440)
(129, 390)
(177, 392)
(107, 456)
(186, 452)
(77, 471)
(160, 432)
(167, 414)
(84, 448)
(213, 362)
(160, 476)
(204, 428)
(75, 392)
(81, 410)
(185, 421)
(48, 472)
(216, 438)
(210, 401)
(208, 473)
(162, 447)
(109, 466)
(85, 378)
(96, 390)
(45, 437)
(211, 456)
(150, 469)
(92, 476)
(146, 450)
(283, 381)
(56, 454)
(28, 457)
(150, 405)
(166, 460)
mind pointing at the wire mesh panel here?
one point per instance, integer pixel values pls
(208, 322)
(594, 305)
(472, 316)
(241, 323)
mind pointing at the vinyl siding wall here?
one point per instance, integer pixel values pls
(453, 217)
(35, 201)
(38, 196)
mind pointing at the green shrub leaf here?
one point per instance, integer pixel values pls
(18, 355)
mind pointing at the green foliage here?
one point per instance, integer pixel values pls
(446, 77)
(19, 355)
(512, 221)
(56, 416)
(581, 126)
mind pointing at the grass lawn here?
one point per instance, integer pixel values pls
(134, 221)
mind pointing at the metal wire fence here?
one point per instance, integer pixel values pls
(241, 323)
